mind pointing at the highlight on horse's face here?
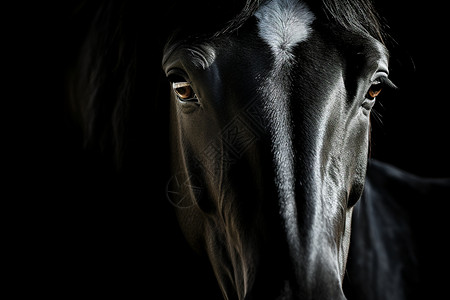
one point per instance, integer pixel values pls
(270, 132)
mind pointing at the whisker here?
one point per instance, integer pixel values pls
(377, 117)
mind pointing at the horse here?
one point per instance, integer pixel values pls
(390, 253)
(259, 113)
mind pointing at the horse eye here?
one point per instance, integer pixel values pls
(184, 91)
(374, 90)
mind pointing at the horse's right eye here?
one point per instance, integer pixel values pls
(184, 91)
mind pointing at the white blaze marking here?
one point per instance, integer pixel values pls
(283, 24)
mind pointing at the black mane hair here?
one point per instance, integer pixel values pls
(357, 16)
(117, 89)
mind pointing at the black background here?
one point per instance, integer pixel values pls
(414, 133)
(63, 223)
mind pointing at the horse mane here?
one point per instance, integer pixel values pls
(117, 86)
(353, 15)
(102, 82)
(357, 15)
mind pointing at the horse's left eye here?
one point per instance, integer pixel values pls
(374, 90)
(184, 91)
(378, 85)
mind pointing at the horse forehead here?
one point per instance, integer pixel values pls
(283, 24)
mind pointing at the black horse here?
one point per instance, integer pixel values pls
(266, 107)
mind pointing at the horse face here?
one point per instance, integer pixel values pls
(270, 131)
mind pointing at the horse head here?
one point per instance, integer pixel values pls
(270, 125)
